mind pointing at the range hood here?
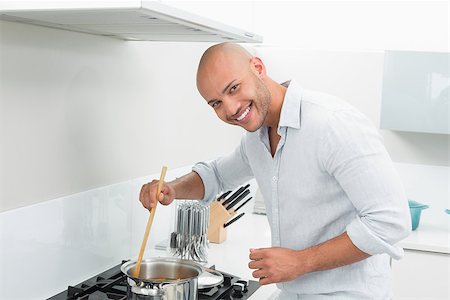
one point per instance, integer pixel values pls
(136, 20)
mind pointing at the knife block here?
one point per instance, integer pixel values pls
(218, 216)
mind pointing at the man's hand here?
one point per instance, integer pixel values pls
(148, 194)
(189, 186)
(276, 264)
(282, 264)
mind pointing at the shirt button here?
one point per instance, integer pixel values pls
(274, 178)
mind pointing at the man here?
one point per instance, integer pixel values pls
(335, 205)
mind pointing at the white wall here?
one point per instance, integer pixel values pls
(79, 111)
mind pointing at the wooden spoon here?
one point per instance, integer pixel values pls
(137, 268)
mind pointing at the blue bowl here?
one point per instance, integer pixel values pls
(415, 209)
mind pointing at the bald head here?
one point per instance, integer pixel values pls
(225, 54)
(229, 50)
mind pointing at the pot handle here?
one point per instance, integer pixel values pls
(138, 287)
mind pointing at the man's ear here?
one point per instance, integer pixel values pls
(258, 66)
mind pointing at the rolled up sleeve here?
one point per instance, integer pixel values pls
(354, 154)
(224, 173)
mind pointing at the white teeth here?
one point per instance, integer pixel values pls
(244, 114)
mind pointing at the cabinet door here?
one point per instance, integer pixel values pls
(422, 275)
(416, 88)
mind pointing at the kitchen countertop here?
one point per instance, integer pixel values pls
(428, 185)
(430, 237)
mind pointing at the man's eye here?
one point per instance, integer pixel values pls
(215, 104)
(233, 88)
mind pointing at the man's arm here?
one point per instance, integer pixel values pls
(189, 186)
(281, 264)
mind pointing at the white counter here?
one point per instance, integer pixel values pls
(429, 237)
(428, 185)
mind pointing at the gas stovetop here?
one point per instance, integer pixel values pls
(112, 285)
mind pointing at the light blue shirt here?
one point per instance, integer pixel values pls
(330, 174)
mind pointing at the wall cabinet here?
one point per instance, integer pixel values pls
(422, 275)
(416, 88)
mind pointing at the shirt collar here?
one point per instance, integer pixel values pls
(290, 111)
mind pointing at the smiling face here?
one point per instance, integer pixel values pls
(231, 81)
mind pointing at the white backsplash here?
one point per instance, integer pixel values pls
(53, 244)
(428, 185)
(48, 246)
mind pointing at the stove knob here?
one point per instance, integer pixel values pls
(244, 284)
(238, 291)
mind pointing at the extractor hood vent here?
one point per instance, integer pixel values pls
(127, 20)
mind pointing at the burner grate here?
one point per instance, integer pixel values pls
(112, 285)
(97, 295)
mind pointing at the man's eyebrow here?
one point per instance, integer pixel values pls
(228, 85)
(223, 92)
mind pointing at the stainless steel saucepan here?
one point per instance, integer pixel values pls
(163, 279)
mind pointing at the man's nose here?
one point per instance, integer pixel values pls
(231, 108)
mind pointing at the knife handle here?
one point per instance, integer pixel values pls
(223, 195)
(245, 202)
(238, 199)
(235, 194)
(233, 220)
